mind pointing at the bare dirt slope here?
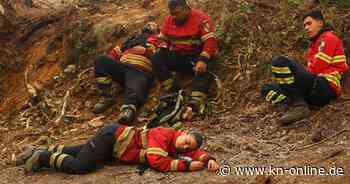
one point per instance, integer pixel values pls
(44, 37)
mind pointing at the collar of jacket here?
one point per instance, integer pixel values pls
(324, 29)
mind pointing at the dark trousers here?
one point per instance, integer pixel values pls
(136, 83)
(84, 158)
(293, 81)
(165, 61)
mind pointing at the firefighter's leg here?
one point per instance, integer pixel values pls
(106, 70)
(200, 87)
(292, 76)
(296, 82)
(70, 150)
(161, 63)
(98, 149)
(321, 93)
(137, 85)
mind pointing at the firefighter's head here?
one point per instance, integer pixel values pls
(179, 10)
(189, 142)
(313, 23)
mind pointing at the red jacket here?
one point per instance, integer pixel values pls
(325, 57)
(196, 36)
(138, 56)
(155, 146)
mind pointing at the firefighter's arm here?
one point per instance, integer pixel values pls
(333, 54)
(162, 37)
(151, 46)
(158, 159)
(202, 156)
(207, 31)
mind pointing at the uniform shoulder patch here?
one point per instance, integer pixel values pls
(322, 45)
(206, 26)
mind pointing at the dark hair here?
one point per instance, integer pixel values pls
(198, 137)
(317, 15)
(175, 3)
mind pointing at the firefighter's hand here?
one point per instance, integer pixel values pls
(213, 165)
(196, 166)
(200, 67)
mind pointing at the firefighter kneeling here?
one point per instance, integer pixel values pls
(130, 66)
(316, 85)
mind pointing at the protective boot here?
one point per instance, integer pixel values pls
(298, 111)
(32, 164)
(103, 104)
(197, 102)
(23, 157)
(127, 114)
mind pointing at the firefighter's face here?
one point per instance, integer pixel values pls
(185, 143)
(180, 14)
(312, 26)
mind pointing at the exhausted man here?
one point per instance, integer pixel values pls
(190, 45)
(163, 149)
(315, 85)
(130, 66)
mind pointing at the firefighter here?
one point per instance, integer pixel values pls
(163, 149)
(130, 66)
(315, 85)
(190, 45)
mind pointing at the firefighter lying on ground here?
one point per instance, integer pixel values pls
(163, 149)
(315, 85)
(130, 66)
(190, 48)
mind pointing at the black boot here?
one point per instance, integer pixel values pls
(32, 163)
(24, 156)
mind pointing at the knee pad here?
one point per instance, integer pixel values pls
(282, 70)
(280, 61)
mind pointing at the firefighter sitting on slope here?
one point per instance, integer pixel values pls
(190, 48)
(130, 66)
(315, 85)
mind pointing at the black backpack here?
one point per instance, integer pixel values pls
(169, 110)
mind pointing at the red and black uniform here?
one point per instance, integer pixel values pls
(319, 82)
(154, 147)
(131, 68)
(326, 58)
(185, 45)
